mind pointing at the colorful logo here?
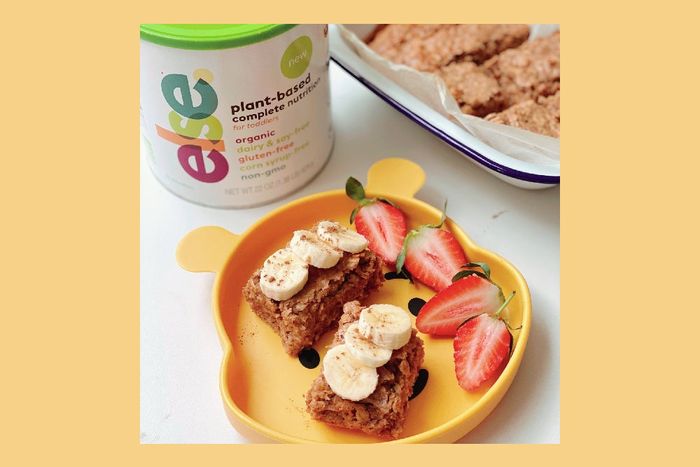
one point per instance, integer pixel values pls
(194, 128)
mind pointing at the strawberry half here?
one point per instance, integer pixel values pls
(432, 255)
(471, 294)
(379, 221)
(482, 348)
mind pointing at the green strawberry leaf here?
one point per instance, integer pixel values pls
(485, 267)
(442, 218)
(354, 213)
(504, 305)
(384, 200)
(401, 259)
(486, 274)
(467, 273)
(353, 188)
(407, 275)
(512, 328)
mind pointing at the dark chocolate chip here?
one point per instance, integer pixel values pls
(415, 304)
(420, 383)
(309, 357)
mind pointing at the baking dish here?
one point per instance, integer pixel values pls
(520, 173)
(263, 387)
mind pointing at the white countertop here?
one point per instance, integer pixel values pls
(180, 352)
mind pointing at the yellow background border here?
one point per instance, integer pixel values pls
(70, 297)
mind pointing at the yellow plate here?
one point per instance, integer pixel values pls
(263, 388)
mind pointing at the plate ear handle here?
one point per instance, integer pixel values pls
(205, 249)
(395, 176)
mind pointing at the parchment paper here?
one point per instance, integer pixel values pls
(429, 88)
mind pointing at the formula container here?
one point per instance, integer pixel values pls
(235, 115)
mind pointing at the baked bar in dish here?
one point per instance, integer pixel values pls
(541, 115)
(429, 47)
(492, 70)
(529, 71)
(383, 412)
(388, 40)
(476, 91)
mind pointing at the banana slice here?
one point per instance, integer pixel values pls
(309, 247)
(283, 275)
(387, 326)
(364, 349)
(341, 237)
(347, 376)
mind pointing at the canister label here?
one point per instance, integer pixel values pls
(238, 127)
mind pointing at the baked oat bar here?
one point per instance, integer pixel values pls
(306, 316)
(476, 91)
(540, 116)
(388, 39)
(529, 71)
(384, 411)
(450, 43)
(492, 70)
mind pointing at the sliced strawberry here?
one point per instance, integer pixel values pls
(384, 226)
(463, 299)
(433, 256)
(481, 349)
(481, 346)
(379, 221)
